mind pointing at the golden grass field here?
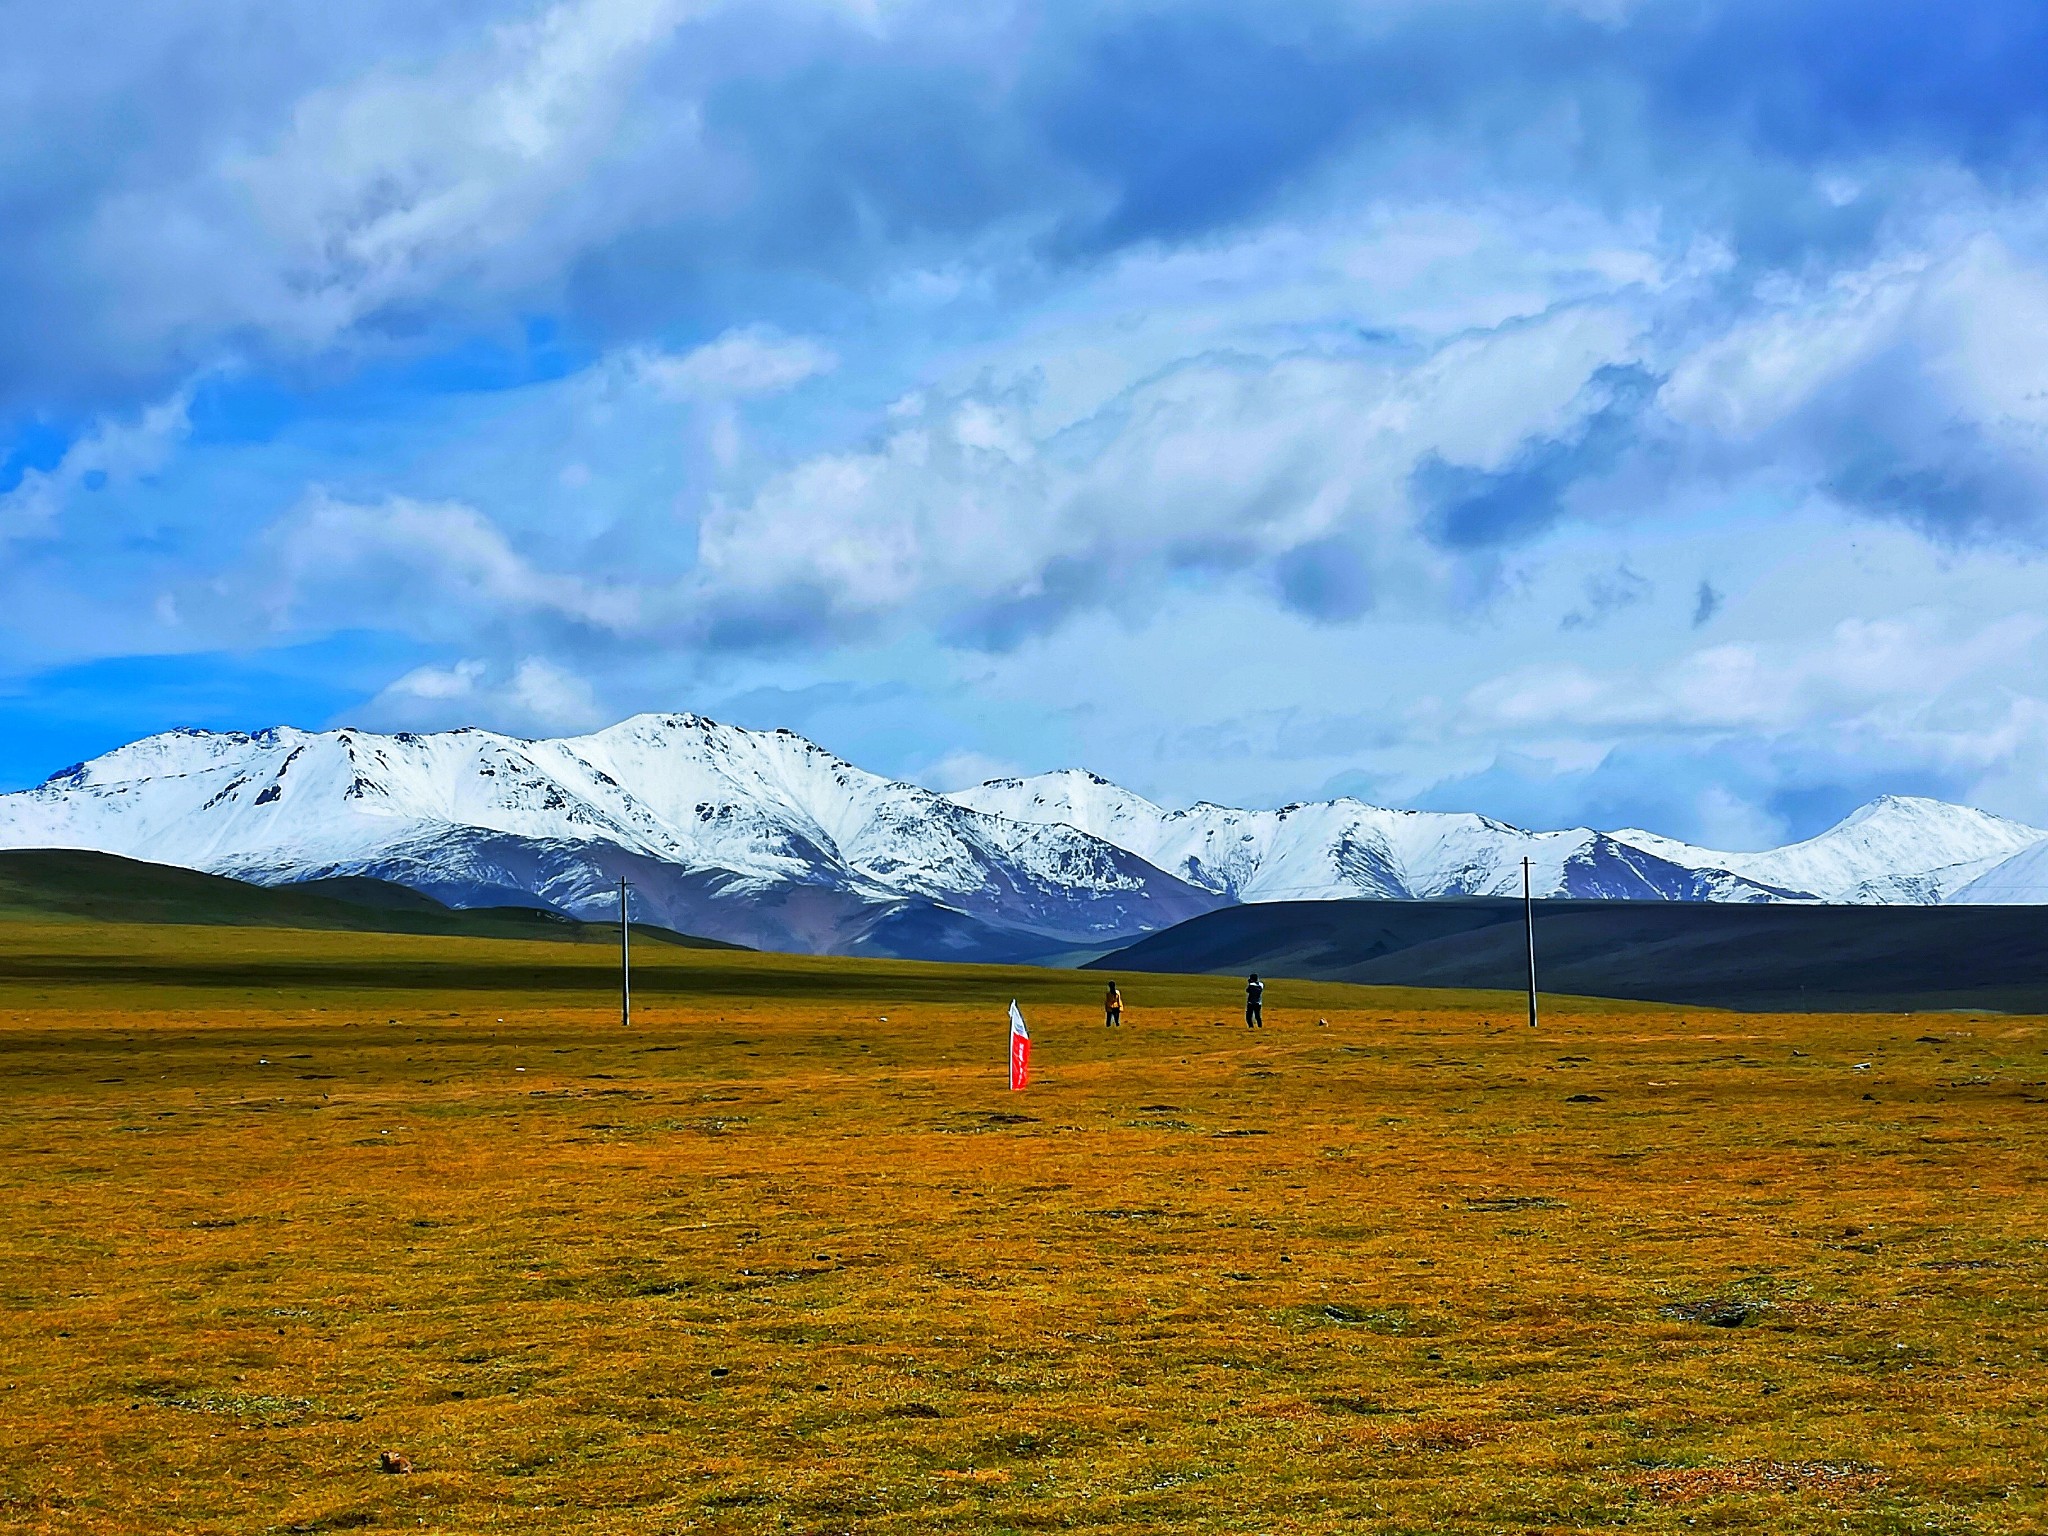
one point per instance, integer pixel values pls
(787, 1256)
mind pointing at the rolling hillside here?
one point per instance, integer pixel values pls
(1764, 957)
(47, 882)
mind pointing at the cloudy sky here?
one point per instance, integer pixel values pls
(1626, 411)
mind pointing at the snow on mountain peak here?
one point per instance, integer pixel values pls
(767, 837)
(1896, 848)
(709, 816)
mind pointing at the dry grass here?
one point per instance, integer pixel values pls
(274, 1204)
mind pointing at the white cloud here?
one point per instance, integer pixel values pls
(1886, 673)
(1221, 462)
(435, 685)
(1912, 387)
(421, 567)
(1413, 276)
(536, 696)
(755, 360)
(964, 769)
(392, 185)
(1723, 819)
(1754, 376)
(113, 453)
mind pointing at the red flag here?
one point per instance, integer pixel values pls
(1020, 1050)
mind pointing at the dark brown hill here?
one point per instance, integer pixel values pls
(1765, 957)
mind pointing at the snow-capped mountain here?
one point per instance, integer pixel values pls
(2020, 881)
(1894, 850)
(760, 837)
(1344, 848)
(1897, 850)
(767, 839)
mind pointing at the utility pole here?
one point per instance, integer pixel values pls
(626, 960)
(1529, 928)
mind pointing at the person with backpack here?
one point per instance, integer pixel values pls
(1112, 1008)
(1254, 1002)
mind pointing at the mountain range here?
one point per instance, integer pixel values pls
(764, 838)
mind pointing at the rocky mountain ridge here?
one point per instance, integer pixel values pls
(764, 838)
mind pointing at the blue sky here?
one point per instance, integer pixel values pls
(1609, 411)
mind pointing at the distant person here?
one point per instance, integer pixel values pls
(1112, 1008)
(1254, 1002)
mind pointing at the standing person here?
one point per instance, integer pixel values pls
(1112, 1008)
(1254, 1002)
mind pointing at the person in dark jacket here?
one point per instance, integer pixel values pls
(1254, 1002)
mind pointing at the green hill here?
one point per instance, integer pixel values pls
(61, 882)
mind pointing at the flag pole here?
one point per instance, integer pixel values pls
(625, 960)
(1020, 1050)
(1529, 928)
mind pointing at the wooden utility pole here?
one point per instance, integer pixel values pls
(1529, 928)
(625, 960)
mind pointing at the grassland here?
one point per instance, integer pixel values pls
(78, 883)
(787, 1256)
